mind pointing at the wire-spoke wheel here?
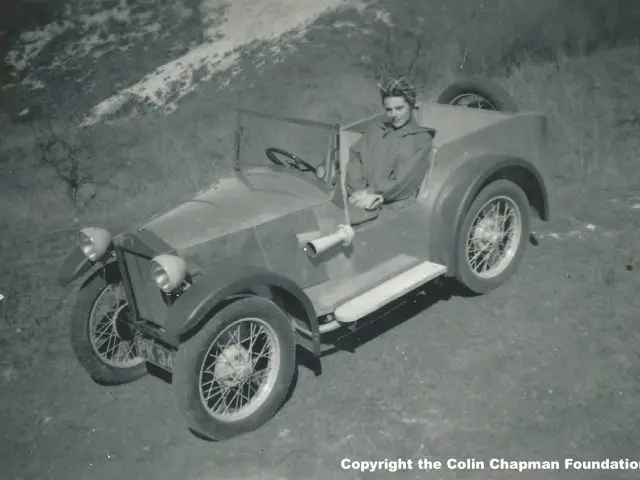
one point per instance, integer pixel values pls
(493, 236)
(477, 93)
(234, 374)
(102, 334)
(109, 330)
(239, 370)
(473, 100)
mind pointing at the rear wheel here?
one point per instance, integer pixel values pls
(478, 93)
(493, 237)
(235, 373)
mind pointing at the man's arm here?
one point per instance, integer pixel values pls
(407, 173)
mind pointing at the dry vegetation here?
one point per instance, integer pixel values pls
(574, 60)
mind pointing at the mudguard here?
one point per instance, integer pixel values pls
(209, 291)
(461, 188)
(76, 265)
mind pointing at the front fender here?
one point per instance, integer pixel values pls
(463, 185)
(209, 291)
(76, 265)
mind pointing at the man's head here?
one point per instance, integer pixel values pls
(398, 100)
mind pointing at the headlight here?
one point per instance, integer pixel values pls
(94, 242)
(168, 272)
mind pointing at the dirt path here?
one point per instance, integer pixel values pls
(544, 368)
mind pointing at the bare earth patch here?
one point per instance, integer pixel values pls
(529, 371)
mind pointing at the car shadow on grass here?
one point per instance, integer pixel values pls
(349, 339)
(395, 314)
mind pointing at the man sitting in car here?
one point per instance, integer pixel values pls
(389, 162)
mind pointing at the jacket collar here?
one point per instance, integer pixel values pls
(410, 128)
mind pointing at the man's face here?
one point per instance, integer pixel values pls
(398, 111)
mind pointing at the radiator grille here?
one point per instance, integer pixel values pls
(147, 296)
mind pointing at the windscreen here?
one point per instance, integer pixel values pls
(258, 133)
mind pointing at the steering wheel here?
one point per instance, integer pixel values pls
(294, 162)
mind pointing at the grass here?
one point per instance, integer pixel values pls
(594, 112)
(556, 57)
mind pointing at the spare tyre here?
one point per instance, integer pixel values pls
(478, 93)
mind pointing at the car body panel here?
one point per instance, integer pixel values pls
(458, 143)
(236, 203)
(219, 284)
(251, 226)
(486, 144)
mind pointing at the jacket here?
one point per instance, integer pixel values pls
(389, 162)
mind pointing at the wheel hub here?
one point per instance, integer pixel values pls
(233, 366)
(487, 231)
(122, 323)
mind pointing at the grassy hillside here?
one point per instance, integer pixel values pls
(574, 60)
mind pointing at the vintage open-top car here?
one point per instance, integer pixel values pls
(219, 290)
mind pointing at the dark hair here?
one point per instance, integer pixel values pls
(398, 87)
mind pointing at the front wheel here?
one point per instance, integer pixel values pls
(101, 333)
(235, 373)
(493, 237)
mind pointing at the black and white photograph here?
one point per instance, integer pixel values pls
(319, 239)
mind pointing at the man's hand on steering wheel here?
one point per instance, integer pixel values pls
(294, 162)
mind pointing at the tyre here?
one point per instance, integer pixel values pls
(244, 354)
(102, 340)
(493, 236)
(478, 93)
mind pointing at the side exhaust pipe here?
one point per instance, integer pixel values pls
(344, 234)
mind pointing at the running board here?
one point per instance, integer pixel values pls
(388, 291)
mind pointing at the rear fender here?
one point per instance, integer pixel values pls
(461, 188)
(215, 289)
